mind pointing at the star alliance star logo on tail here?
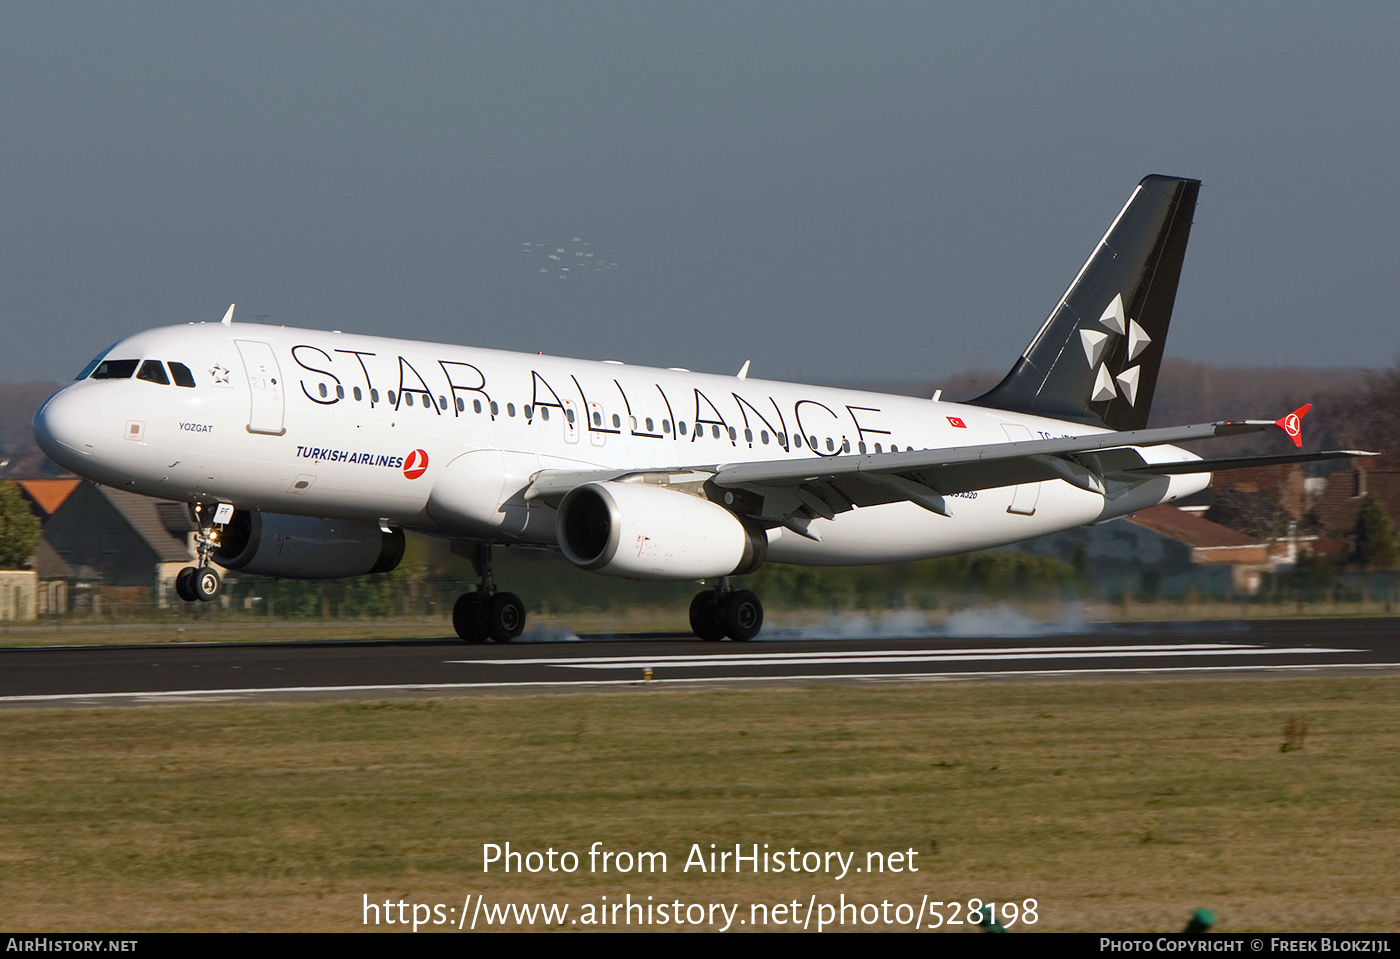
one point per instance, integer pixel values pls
(1096, 342)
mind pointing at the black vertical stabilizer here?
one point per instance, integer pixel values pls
(1096, 358)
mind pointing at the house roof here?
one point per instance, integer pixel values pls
(47, 494)
(1190, 528)
(152, 523)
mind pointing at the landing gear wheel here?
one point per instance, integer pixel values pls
(505, 617)
(184, 584)
(704, 617)
(467, 619)
(205, 584)
(742, 615)
(486, 614)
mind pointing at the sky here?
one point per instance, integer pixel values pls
(838, 192)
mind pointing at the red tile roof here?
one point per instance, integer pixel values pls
(48, 494)
(1191, 528)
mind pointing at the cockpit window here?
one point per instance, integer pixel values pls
(87, 370)
(115, 369)
(182, 374)
(152, 371)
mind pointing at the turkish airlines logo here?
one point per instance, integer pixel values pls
(1292, 424)
(416, 464)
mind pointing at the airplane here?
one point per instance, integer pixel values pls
(307, 454)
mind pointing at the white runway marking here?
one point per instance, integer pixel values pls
(761, 667)
(908, 656)
(206, 695)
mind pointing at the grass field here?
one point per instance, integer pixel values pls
(1118, 806)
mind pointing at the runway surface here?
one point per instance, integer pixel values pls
(131, 675)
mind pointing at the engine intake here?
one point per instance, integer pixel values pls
(644, 531)
(301, 547)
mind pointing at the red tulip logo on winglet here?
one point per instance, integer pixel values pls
(416, 464)
(1292, 424)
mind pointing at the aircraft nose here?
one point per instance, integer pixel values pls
(65, 427)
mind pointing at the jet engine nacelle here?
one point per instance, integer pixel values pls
(644, 531)
(300, 547)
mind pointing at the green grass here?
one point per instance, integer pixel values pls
(1118, 806)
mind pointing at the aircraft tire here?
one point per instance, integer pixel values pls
(742, 615)
(505, 618)
(205, 584)
(704, 617)
(467, 619)
(184, 584)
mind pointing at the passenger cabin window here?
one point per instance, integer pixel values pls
(115, 369)
(181, 374)
(153, 371)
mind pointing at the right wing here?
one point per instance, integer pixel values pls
(792, 493)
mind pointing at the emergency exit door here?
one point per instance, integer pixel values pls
(264, 386)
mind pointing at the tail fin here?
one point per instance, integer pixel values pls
(1096, 358)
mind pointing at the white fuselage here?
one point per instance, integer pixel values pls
(338, 425)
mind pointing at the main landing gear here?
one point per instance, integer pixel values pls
(202, 583)
(487, 614)
(723, 611)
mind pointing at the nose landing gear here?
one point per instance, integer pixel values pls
(202, 583)
(722, 611)
(487, 614)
